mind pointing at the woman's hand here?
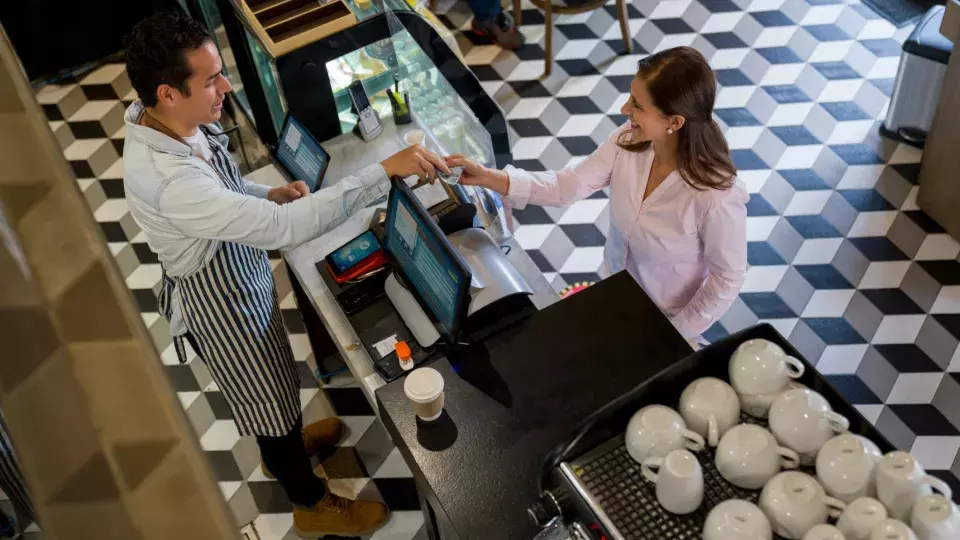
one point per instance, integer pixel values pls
(475, 174)
(415, 160)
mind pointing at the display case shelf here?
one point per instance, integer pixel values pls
(451, 126)
(283, 26)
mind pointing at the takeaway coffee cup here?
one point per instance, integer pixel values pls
(424, 389)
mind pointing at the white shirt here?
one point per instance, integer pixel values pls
(185, 211)
(200, 145)
(686, 248)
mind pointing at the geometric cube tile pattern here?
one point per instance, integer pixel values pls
(842, 261)
(86, 117)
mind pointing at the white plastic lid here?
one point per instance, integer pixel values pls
(423, 385)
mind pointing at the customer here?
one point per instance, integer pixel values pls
(491, 22)
(210, 229)
(677, 215)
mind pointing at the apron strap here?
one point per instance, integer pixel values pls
(165, 304)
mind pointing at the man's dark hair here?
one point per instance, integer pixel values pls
(156, 53)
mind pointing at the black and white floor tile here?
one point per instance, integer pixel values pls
(842, 260)
(86, 116)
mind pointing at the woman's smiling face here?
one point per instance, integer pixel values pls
(646, 121)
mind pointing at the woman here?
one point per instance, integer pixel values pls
(677, 215)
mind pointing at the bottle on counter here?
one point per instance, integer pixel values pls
(403, 355)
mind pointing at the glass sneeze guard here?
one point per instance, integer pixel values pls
(398, 62)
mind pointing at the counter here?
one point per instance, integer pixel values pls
(510, 398)
(513, 398)
(348, 154)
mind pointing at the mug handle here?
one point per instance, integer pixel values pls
(938, 485)
(648, 466)
(713, 431)
(695, 442)
(788, 458)
(838, 422)
(835, 507)
(795, 367)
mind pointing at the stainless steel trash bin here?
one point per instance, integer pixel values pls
(916, 91)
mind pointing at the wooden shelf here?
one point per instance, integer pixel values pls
(285, 17)
(267, 5)
(286, 25)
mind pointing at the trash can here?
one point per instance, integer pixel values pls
(916, 90)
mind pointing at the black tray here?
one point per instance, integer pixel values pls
(608, 480)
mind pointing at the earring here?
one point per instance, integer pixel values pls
(669, 131)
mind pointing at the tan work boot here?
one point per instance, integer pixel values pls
(316, 437)
(337, 515)
(322, 435)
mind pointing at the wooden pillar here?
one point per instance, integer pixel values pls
(102, 441)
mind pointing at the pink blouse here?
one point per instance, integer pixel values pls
(686, 248)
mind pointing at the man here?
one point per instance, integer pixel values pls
(491, 22)
(210, 229)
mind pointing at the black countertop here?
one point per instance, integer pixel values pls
(512, 399)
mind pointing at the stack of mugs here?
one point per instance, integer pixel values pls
(871, 496)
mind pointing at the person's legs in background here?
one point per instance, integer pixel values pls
(491, 21)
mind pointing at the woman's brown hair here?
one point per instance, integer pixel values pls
(681, 83)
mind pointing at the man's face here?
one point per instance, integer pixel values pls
(207, 88)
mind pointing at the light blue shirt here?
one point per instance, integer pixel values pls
(186, 211)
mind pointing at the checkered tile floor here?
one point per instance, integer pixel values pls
(842, 260)
(86, 116)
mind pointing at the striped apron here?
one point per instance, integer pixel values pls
(231, 311)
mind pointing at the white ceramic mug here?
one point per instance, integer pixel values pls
(795, 503)
(655, 431)
(748, 456)
(892, 529)
(736, 519)
(803, 421)
(901, 481)
(846, 467)
(824, 532)
(710, 407)
(935, 517)
(759, 372)
(861, 517)
(679, 481)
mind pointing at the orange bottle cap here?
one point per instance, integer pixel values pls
(403, 350)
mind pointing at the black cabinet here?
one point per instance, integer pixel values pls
(52, 36)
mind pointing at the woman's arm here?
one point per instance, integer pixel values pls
(723, 231)
(550, 188)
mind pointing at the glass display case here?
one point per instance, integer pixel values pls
(397, 62)
(393, 45)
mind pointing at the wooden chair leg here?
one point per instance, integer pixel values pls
(624, 26)
(517, 13)
(548, 38)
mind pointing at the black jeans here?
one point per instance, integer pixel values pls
(286, 459)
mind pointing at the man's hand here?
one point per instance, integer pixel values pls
(289, 192)
(415, 160)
